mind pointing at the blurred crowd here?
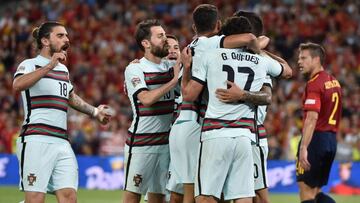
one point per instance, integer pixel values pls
(102, 44)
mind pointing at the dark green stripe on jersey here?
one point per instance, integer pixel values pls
(157, 78)
(159, 108)
(50, 102)
(212, 124)
(147, 139)
(43, 129)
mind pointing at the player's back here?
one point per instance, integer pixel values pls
(244, 69)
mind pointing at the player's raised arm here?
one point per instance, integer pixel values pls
(149, 97)
(287, 70)
(190, 87)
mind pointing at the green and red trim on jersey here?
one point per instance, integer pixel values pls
(157, 78)
(44, 129)
(147, 139)
(50, 102)
(58, 75)
(213, 124)
(159, 108)
(262, 132)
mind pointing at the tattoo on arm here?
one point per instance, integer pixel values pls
(263, 97)
(79, 104)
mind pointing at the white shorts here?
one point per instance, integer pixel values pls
(46, 167)
(174, 184)
(184, 144)
(146, 172)
(225, 165)
(260, 154)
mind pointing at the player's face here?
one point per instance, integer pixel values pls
(305, 62)
(58, 40)
(158, 44)
(174, 49)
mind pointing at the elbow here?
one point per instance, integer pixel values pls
(288, 73)
(147, 102)
(187, 97)
(16, 87)
(268, 100)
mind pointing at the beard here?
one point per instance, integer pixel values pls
(158, 51)
(53, 48)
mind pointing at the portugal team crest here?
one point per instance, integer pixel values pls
(137, 180)
(31, 179)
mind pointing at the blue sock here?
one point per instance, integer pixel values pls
(323, 198)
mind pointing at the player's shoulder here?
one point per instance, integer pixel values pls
(133, 67)
(27, 62)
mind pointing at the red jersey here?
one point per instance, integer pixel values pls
(323, 95)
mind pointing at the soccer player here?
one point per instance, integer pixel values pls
(322, 113)
(47, 163)
(149, 84)
(174, 184)
(185, 133)
(262, 98)
(225, 151)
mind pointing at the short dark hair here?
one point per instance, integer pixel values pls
(172, 37)
(44, 30)
(315, 50)
(143, 31)
(205, 17)
(236, 25)
(255, 21)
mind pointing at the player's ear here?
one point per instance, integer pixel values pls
(194, 28)
(145, 43)
(45, 41)
(218, 26)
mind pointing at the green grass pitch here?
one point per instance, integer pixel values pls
(12, 195)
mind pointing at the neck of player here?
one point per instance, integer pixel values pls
(149, 56)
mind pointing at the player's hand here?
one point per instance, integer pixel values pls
(254, 46)
(230, 95)
(135, 61)
(303, 160)
(105, 113)
(186, 57)
(263, 41)
(56, 57)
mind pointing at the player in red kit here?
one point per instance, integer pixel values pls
(322, 113)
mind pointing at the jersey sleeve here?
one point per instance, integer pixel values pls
(312, 100)
(215, 42)
(24, 68)
(134, 80)
(268, 81)
(274, 68)
(199, 69)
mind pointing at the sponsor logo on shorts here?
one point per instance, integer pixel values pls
(31, 178)
(137, 180)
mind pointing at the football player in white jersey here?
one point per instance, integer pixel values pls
(235, 94)
(47, 163)
(185, 133)
(150, 87)
(223, 121)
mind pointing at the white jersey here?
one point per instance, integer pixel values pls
(194, 110)
(149, 130)
(247, 70)
(262, 110)
(46, 102)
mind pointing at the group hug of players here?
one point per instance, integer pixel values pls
(216, 149)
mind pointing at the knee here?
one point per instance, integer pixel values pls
(68, 196)
(34, 197)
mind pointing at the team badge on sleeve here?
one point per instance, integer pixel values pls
(135, 81)
(21, 68)
(310, 101)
